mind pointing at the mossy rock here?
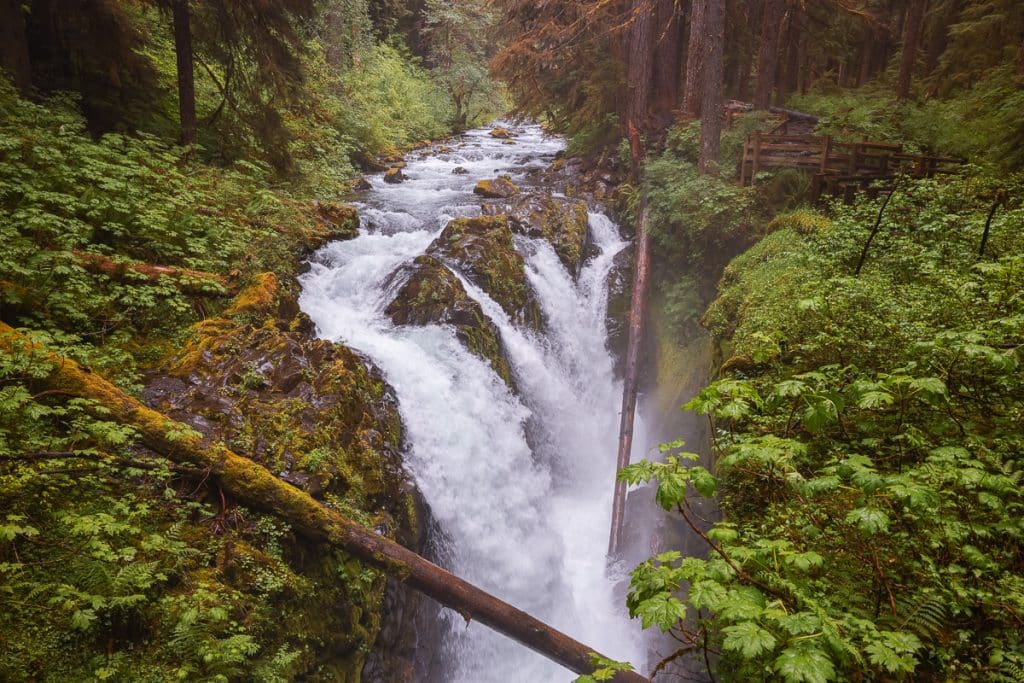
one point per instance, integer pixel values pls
(394, 175)
(498, 188)
(620, 292)
(501, 133)
(483, 250)
(323, 419)
(432, 294)
(334, 221)
(562, 221)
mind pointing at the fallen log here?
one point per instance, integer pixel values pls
(256, 486)
(193, 282)
(637, 311)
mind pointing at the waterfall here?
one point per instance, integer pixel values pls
(524, 518)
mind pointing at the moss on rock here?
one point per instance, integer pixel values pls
(323, 419)
(482, 249)
(334, 222)
(432, 294)
(562, 221)
(497, 188)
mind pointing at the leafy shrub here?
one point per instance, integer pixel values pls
(868, 451)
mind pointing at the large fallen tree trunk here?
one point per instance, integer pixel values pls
(254, 485)
(637, 310)
(194, 282)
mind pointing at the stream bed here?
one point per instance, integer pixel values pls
(519, 482)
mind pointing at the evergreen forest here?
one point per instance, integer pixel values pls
(787, 234)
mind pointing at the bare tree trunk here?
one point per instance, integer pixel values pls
(667, 36)
(186, 78)
(711, 90)
(637, 322)
(694, 52)
(14, 58)
(254, 485)
(911, 38)
(867, 50)
(938, 38)
(790, 82)
(768, 53)
(640, 66)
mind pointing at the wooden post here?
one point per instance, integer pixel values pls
(756, 162)
(257, 487)
(826, 147)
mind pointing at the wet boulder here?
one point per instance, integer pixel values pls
(482, 249)
(460, 170)
(501, 133)
(562, 221)
(322, 418)
(394, 175)
(246, 375)
(620, 292)
(333, 222)
(498, 188)
(432, 294)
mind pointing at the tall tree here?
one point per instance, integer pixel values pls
(695, 51)
(768, 52)
(186, 70)
(640, 65)
(14, 56)
(711, 87)
(911, 38)
(667, 57)
(459, 38)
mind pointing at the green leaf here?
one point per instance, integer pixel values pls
(749, 639)
(804, 663)
(704, 482)
(661, 610)
(870, 520)
(672, 488)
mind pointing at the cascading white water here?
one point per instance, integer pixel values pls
(527, 524)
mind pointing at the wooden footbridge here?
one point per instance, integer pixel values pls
(838, 168)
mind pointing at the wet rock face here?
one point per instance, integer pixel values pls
(498, 188)
(334, 221)
(482, 250)
(620, 284)
(322, 418)
(562, 221)
(431, 294)
(313, 412)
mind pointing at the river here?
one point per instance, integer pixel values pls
(519, 483)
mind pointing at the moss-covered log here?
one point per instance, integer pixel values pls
(258, 487)
(192, 282)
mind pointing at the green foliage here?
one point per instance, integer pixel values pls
(868, 451)
(460, 36)
(980, 123)
(115, 565)
(131, 198)
(604, 669)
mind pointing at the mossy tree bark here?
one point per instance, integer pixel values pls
(186, 67)
(14, 57)
(768, 53)
(911, 38)
(194, 282)
(256, 486)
